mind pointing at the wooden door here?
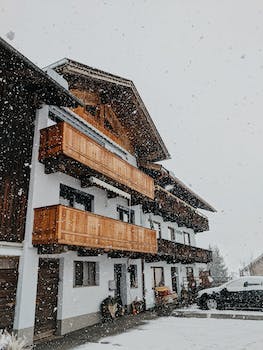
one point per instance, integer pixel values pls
(47, 296)
(8, 287)
(117, 277)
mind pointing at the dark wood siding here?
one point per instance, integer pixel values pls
(23, 89)
(17, 116)
(8, 287)
(47, 294)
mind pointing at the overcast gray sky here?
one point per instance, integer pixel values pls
(198, 66)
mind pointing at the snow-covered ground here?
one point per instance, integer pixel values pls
(170, 333)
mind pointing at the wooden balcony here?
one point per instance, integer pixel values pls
(177, 252)
(172, 208)
(60, 225)
(64, 148)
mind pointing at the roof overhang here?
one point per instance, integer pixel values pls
(18, 73)
(170, 182)
(126, 102)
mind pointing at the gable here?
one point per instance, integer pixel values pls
(102, 117)
(125, 101)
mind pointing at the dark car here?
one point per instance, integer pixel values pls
(242, 293)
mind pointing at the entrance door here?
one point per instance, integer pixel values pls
(47, 295)
(120, 278)
(8, 287)
(174, 279)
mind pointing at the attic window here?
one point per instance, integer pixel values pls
(93, 110)
(108, 126)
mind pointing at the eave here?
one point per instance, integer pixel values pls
(165, 178)
(18, 74)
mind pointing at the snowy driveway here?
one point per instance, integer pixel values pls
(186, 333)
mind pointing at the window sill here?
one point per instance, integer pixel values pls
(93, 285)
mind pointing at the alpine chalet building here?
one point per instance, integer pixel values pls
(86, 212)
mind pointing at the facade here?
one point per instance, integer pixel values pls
(86, 212)
(255, 268)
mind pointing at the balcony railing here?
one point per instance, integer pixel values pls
(178, 252)
(176, 209)
(64, 148)
(63, 225)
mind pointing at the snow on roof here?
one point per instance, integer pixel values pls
(18, 69)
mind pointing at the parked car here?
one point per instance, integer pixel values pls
(241, 293)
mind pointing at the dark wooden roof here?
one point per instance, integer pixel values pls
(126, 102)
(19, 75)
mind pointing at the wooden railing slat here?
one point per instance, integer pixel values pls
(85, 229)
(62, 138)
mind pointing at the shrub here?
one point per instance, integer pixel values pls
(12, 342)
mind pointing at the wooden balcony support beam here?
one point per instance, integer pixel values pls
(88, 252)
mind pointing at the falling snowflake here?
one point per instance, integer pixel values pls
(10, 35)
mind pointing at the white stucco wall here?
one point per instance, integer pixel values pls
(77, 301)
(26, 289)
(28, 263)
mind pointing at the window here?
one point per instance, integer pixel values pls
(187, 238)
(157, 227)
(249, 284)
(75, 198)
(126, 214)
(158, 277)
(254, 283)
(86, 273)
(235, 285)
(189, 271)
(108, 125)
(78, 273)
(133, 276)
(179, 236)
(171, 233)
(93, 110)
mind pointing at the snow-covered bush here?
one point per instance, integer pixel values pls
(12, 342)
